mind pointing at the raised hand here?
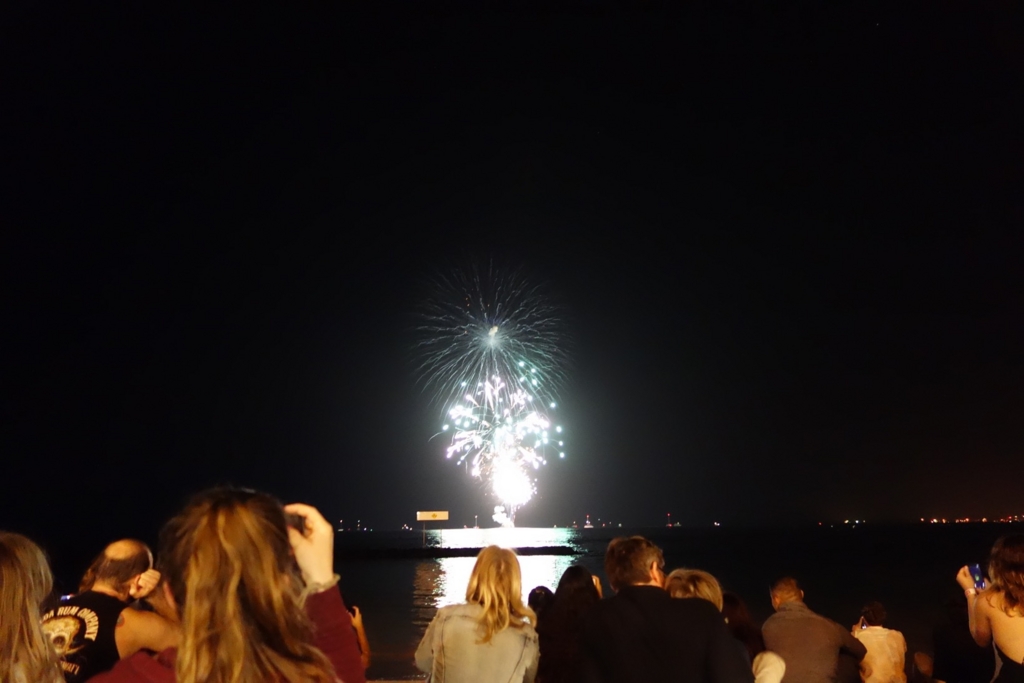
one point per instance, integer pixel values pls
(313, 546)
(144, 584)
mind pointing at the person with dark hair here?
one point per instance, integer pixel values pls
(887, 649)
(768, 667)
(94, 629)
(642, 634)
(255, 594)
(539, 599)
(741, 624)
(809, 643)
(559, 631)
(996, 614)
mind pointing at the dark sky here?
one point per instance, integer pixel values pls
(786, 240)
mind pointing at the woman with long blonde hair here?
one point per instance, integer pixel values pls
(490, 637)
(26, 655)
(256, 597)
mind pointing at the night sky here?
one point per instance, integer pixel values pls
(785, 237)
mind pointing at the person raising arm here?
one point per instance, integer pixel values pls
(996, 613)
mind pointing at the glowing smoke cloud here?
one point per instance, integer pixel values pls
(490, 350)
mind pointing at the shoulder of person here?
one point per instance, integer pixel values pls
(137, 629)
(130, 618)
(990, 599)
(529, 632)
(839, 627)
(460, 610)
(697, 606)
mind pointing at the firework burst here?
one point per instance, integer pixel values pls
(491, 353)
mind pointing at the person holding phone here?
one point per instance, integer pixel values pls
(996, 611)
(887, 649)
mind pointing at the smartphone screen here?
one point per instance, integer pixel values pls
(979, 578)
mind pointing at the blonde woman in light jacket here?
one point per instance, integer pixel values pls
(490, 637)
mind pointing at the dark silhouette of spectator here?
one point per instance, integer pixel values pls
(741, 624)
(539, 600)
(958, 659)
(847, 668)
(642, 634)
(560, 629)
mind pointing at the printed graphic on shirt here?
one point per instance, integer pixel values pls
(70, 628)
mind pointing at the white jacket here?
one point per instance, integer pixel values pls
(450, 653)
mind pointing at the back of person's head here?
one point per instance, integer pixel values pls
(785, 590)
(1006, 569)
(562, 624)
(735, 610)
(741, 624)
(694, 583)
(576, 580)
(628, 561)
(496, 585)
(874, 613)
(227, 561)
(25, 582)
(118, 565)
(540, 599)
(574, 595)
(575, 592)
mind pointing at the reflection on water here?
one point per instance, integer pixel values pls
(443, 581)
(516, 537)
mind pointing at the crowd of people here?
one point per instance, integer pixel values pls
(244, 591)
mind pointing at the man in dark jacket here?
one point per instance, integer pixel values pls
(641, 634)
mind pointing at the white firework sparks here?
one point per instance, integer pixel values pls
(491, 352)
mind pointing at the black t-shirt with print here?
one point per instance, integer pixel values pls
(82, 631)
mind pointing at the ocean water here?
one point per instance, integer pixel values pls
(911, 569)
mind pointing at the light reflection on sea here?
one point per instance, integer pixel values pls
(442, 581)
(386, 589)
